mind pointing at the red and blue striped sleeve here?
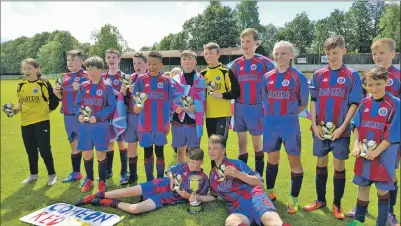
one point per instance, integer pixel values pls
(303, 90)
(355, 94)
(314, 88)
(108, 109)
(392, 133)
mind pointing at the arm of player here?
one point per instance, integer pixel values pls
(355, 128)
(303, 93)
(173, 169)
(245, 174)
(393, 130)
(207, 198)
(53, 99)
(18, 108)
(78, 102)
(233, 85)
(108, 111)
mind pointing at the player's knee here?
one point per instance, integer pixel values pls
(271, 218)
(133, 209)
(233, 220)
(322, 161)
(382, 192)
(273, 157)
(339, 165)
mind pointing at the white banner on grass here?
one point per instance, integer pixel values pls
(63, 214)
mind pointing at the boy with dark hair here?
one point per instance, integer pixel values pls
(335, 93)
(154, 113)
(67, 92)
(160, 191)
(377, 136)
(94, 106)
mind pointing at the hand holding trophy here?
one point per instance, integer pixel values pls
(220, 172)
(195, 182)
(177, 181)
(140, 99)
(126, 80)
(59, 82)
(186, 101)
(327, 129)
(86, 112)
(211, 85)
(8, 109)
(366, 147)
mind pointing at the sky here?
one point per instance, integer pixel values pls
(140, 23)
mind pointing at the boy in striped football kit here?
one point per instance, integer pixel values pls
(240, 187)
(131, 135)
(160, 191)
(335, 93)
(377, 137)
(248, 109)
(383, 51)
(187, 120)
(97, 95)
(154, 115)
(114, 77)
(67, 93)
(285, 95)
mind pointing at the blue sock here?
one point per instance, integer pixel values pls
(109, 162)
(383, 207)
(133, 163)
(89, 168)
(271, 175)
(339, 186)
(102, 169)
(360, 212)
(149, 163)
(393, 198)
(76, 162)
(159, 161)
(321, 181)
(123, 159)
(244, 158)
(259, 162)
(296, 183)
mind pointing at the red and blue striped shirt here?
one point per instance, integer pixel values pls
(68, 93)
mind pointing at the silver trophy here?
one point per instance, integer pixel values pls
(220, 172)
(186, 101)
(59, 81)
(327, 128)
(367, 146)
(177, 182)
(140, 99)
(126, 80)
(8, 109)
(86, 112)
(211, 85)
(195, 182)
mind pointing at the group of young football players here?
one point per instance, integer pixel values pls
(268, 98)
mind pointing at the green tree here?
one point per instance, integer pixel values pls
(10, 55)
(145, 48)
(107, 37)
(376, 9)
(51, 57)
(299, 31)
(268, 37)
(390, 24)
(248, 15)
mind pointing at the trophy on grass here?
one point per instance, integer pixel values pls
(177, 181)
(327, 129)
(367, 146)
(220, 172)
(186, 101)
(86, 112)
(8, 109)
(126, 80)
(211, 85)
(140, 99)
(195, 182)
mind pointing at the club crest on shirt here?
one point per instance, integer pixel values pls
(285, 82)
(160, 85)
(341, 80)
(390, 82)
(99, 92)
(366, 109)
(218, 78)
(383, 111)
(76, 79)
(116, 82)
(253, 67)
(35, 91)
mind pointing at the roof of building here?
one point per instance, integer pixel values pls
(177, 53)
